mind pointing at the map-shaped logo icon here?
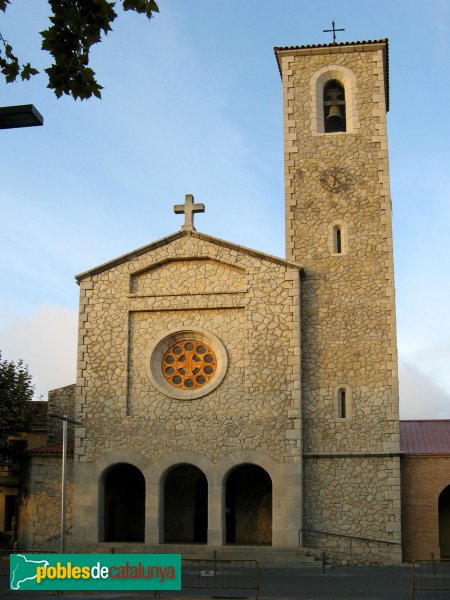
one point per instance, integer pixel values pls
(24, 569)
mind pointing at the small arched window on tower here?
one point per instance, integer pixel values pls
(343, 400)
(337, 239)
(334, 107)
(342, 403)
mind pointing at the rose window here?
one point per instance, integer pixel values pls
(188, 364)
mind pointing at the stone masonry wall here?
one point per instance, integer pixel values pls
(259, 328)
(60, 401)
(361, 508)
(190, 281)
(40, 505)
(348, 308)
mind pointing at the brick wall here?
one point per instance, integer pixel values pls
(423, 479)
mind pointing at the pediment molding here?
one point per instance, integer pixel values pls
(187, 275)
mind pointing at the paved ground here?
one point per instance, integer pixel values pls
(343, 583)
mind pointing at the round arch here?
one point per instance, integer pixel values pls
(122, 504)
(230, 461)
(248, 505)
(347, 79)
(184, 504)
(444, 522)
(165, 463)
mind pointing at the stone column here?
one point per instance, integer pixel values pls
(215, 515)
(153, 520)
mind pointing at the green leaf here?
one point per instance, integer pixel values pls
(96, 91)
(75, 26)
(9, 52)
(10, 71)
(27, 71)
(146, 7)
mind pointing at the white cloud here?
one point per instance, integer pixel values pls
(46, 341)
(420, 397)
(440, 14)
(427, 347)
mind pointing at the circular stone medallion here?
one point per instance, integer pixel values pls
(336, 180)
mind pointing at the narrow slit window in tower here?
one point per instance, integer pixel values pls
(334, 107)
(337, 239)
(342, 412)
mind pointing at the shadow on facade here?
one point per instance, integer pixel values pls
(249, 506)
(185, 505)
(444, 522)
(124, 504)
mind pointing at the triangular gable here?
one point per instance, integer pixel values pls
(171, 238)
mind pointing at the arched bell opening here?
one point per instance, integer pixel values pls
(334, 107)
(248, 515)
(123, 504)
(185, 505)
(444, 522)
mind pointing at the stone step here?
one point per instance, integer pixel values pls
(265, 555)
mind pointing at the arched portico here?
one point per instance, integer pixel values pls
(185, 505)
(285, 494)
(248, 510)
(286, 497)
(444, 522)
(123, 504)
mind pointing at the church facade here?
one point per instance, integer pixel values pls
(229, 397)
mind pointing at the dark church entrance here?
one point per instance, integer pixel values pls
(249, 506)
(185, 505)
(444, 522)
(124, 501)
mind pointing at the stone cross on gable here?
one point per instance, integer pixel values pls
(188, 209)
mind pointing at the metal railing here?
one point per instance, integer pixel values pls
(350, 540)
(223, 574)
(430, 575)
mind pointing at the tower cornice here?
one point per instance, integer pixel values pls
(339, 48)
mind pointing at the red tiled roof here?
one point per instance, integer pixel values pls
(425, 437)
(332, 45)
(52, 449)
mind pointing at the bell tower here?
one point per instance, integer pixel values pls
(338, 228)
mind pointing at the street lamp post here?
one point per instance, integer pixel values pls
(25, 115)
(65, 420)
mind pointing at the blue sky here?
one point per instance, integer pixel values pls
(192, 104)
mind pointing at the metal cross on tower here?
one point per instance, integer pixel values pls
(188, 209)
(333, 23)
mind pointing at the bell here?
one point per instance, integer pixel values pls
(335, 120)
(335, 113)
